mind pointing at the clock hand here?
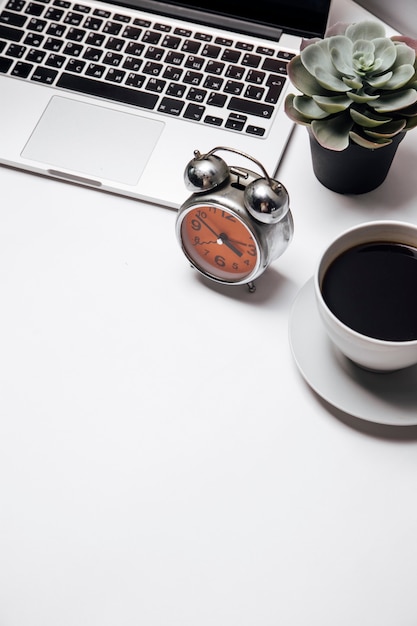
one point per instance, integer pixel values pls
(229, 244)
(221, 238)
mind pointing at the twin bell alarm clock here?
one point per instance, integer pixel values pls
(235, 223)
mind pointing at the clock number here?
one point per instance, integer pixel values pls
(220, 260)
(195, 225)
(229, 217)
(251, 250)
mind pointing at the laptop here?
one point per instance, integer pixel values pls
(118, 97)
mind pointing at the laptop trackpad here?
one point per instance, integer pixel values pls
(93, 140)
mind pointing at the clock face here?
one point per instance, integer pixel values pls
(219, 243)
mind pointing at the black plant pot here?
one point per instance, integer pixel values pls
(354, 170)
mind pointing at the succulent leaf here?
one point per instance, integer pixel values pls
(394, 101)
(387, 130)
(308, 108)
(367, 143)
(333, 133)
(333, 104)
(368, 119)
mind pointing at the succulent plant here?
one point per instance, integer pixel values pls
(355, 85)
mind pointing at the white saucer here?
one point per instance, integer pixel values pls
(386, 398)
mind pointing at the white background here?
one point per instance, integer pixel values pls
(162, 461)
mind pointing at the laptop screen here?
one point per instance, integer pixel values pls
(306, 18)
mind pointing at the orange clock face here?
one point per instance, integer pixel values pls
(219, 243)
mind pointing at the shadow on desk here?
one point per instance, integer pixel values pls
(270, 287)
(384, 431)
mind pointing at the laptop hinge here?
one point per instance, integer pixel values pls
(207, 19)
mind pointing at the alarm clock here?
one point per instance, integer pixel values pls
(236, 222)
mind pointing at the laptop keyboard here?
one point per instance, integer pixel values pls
(153, 65)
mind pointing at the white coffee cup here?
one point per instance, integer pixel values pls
(364, 349)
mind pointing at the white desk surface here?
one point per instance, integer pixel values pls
(162, 461)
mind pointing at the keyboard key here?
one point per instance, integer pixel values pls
(15, 51)
(131, 32)
(176, 90)
(5, 65)
(95, 39)
(191, 46)
(93, 23)
(171, 106)
(111, 58)
(171, 42)
(156, 84)
(13, 19)
(214, 67)
(277, 66)
(214, 121)
(252, 60)
(134, 48)
(235, 122)
(174, 58)
(35, 56)
(15, 5)
(36, 24)
(251, 108)
(115, 43)
(11, 34)
(109, 91)
(192, 78)
(76, 34)
(53, 44)
(203, 36)
(255, 130)
(275, 85)
(233, 87)
(44, 75)
(172, 73)
(194, 112)
(119, 17)
(210, 51)
(33, 8)
(231, 56)
(217, 99)
(115, 75)
(95, 70)
(75, 65)
(152, 68)
(163, 27)
(112, 28)
(73, 49)
(33, 39)
(55, 60)
(132, 63)
(213, 82)
(135, 80)
(56, 30)
(197, 95)
(156, 54)
(82, 8)
(151, 37)
(195, 63)
(53, 14)
(236, 72)
(254, 92)
(74, 19)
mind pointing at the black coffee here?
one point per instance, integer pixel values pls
(372, 288)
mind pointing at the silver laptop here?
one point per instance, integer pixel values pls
(118, 97)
